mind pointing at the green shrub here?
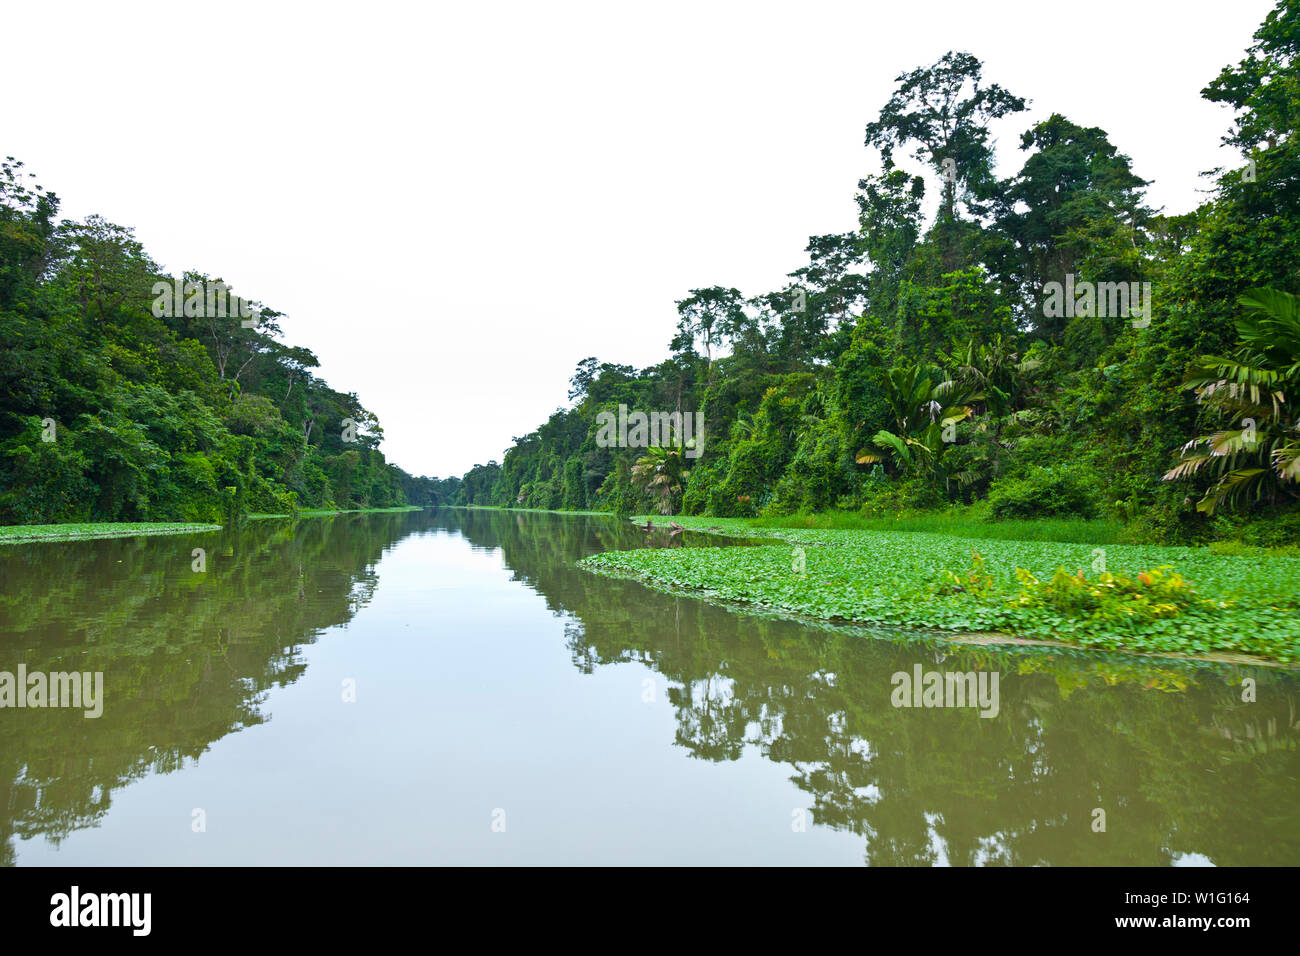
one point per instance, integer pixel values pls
(1042, 492)
(1113, 598)
(888, 498)
(1274, 531)
(43, 481)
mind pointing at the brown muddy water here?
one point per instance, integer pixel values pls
(447, 687)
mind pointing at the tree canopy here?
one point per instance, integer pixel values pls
(913, 364)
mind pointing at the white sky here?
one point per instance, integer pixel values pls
(455, 203)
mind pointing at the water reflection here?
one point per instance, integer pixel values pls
(187, 657)
(1181, 765)
(1170, 751)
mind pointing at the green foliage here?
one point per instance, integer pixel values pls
(910, 365)
(659, 474)
(1036, 589)
(1257, 456)
(112, 412)
(960, 521)
(84, 531)
(1042, 492)
(907, 367)
(1111, 599)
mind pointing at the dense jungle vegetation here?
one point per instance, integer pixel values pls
(109, 412)
(918, 363)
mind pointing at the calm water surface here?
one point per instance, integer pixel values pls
(510, 708)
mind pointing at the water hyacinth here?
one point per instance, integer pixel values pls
(1149, 599)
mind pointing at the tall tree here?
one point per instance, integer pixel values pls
(1074, 187)
(944, 111)
(712, 316)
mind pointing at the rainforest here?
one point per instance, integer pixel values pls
(1030, 357)
(964, 531)
(925, 363)
(110, 413)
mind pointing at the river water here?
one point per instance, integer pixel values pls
(448, 687)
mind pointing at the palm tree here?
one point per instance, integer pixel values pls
(1258, 456)
(994, 369)
(743, 426)
(923, 405)
(659, 471)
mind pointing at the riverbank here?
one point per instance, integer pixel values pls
(326, 512)
(536, 511)
(88, 530)
(82, 531)
(1139, 598)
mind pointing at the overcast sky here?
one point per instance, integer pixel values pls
(455, 203)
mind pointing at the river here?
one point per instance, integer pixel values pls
(447, 687)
